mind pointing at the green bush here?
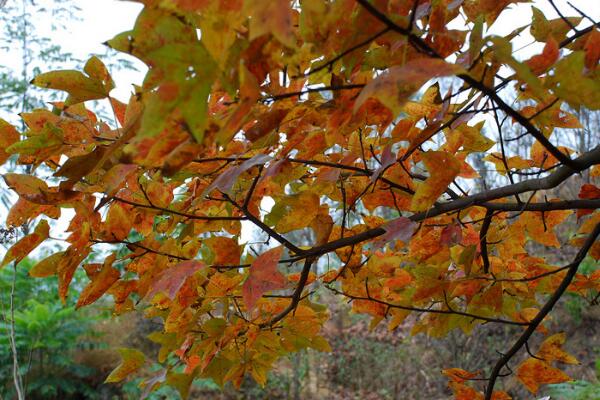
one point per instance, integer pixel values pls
(47, 336)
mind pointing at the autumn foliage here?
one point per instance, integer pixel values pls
(335, 112)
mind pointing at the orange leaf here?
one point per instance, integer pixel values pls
(533, 372)
(592, 49)
(443, 168)
(24, 246)
(264, 276)
(464, 392)
(295, 277)
(400, 279)
(541, 62)
(551, 350)
(100, 283)
(458, 375)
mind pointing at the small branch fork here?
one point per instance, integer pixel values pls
(550, 303)
(422, 46)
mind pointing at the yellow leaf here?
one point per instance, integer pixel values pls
(551, 350)
(132, 361)
(443, 168)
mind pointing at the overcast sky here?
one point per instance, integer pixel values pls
(100, 20)
(103, 19)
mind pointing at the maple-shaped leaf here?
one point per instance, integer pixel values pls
(541, 28)
(400, 228)
(97, 84)
(570, 82)
(443, 168)
(533, 372)
(101, 282)
(132, 361)
(172, 279)
(394, 87)
(551, 350)
(23, 247)
(263, 277)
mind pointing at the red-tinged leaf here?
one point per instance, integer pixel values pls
(541, 62)
(225, 181)
(132, 361)
(264, 276)
(119, 110)
(172, 279)
(451, 235)
(533, 372)
(443, 168)
(588, 191)
(400, 228)
(23, 247)
(394, 87)
(387, 159)
(592, 49)
(101, 282)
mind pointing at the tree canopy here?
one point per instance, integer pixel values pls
(351, 135)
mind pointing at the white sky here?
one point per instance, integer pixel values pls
(103, 19)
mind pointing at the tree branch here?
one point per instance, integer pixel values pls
(535, 322)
